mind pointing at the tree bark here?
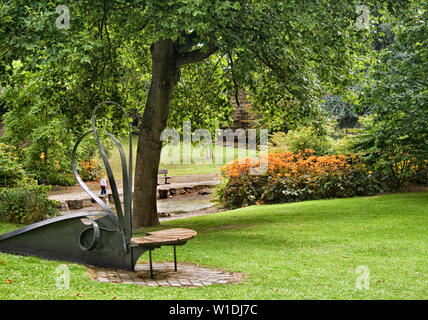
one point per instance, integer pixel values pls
(165, 75)
(167, 58)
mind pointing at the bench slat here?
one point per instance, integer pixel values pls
(165, 237)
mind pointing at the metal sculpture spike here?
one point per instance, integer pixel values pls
(92, 238)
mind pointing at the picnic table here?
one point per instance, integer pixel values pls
(156, 239)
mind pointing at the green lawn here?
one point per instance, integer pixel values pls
(180, 158)
(306, 250)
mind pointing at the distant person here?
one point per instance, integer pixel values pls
(103, 184)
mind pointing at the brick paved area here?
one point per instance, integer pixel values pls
(187, 275)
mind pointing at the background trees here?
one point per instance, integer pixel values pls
(301, 49)
(146, 55)
(395, 140)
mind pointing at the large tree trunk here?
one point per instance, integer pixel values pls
(167, 58)
(165, 75)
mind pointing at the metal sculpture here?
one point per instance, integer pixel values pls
(93, 238)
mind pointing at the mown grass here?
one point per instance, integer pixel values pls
(184, 159)
(306, 250)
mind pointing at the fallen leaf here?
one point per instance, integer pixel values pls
(113, 298)
(80, 295)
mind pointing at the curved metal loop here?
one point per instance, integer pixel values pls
(109, 212)
(126, 221)
(95, 238)
(123, 220)
(129, 135)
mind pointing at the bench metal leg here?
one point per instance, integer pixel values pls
(151, 266)
(175, 259)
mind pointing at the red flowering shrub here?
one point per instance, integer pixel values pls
(294, 177)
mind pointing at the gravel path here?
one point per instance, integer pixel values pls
(179, 206)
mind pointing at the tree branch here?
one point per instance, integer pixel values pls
(196, 55)
(263, 57)
(190, 40)
(234, 80)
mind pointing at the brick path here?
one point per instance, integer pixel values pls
(187, 275)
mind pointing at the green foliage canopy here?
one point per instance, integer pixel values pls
(396, 139)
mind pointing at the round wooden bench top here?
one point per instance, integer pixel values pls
(165, 237)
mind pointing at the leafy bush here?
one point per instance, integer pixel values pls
(296, 177)
(343, 145)
(26, 204)
(11, 171)
(298, 140)
(22, 200)
(60, 178)
(399, 159)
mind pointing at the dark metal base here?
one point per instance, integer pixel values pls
(74, 238)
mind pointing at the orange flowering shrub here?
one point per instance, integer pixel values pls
(295, 177)
(90, 170)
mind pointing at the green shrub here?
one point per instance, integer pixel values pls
(61, 179)
(22, 200)
(400, 159)
(26, 205)
(343, 145)
(299, 140)
(11, 172)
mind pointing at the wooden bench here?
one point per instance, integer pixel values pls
(169, 237)
(164, 172)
